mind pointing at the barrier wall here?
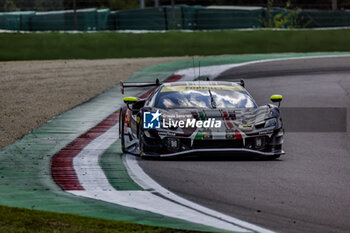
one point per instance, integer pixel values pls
(112, 20)
(49, 21)
(161, 18)
(142, 19)
(87, 20)
(102, 19)
(316, 18)
(16, 20)
(228, 19)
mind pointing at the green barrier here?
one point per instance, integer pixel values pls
(102, 19)
(160, 18)
(16, 20)
(12, 21)
(317, 18)
(64, 20)
(112, 20)
(86, 20)
(228, 19)
(189, 17)
(143, 19)
(26, 20)
(49, 21)
(9, 21)
(178, 21)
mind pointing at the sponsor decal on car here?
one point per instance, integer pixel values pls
(151, 120)
(191, 123)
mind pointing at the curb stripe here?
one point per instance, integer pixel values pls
(174, 78)
(61, 163)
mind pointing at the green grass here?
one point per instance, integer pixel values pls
(24, 220)
(37, 46)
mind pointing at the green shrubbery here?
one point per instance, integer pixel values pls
(41, 46)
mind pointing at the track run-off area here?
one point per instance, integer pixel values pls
(73, 163)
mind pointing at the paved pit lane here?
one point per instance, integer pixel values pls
(308, 189)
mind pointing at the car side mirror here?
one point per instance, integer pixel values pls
(130, 100)
(276, 99)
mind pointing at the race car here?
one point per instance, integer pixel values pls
(197, 118)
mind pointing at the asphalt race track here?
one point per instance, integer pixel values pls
(308, 189)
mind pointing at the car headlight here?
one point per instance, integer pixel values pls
(270, 122)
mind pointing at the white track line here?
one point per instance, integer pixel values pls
(96, 185)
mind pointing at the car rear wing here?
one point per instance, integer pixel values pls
(158, 83)
(138, 84)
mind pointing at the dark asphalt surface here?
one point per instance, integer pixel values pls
(308, 189)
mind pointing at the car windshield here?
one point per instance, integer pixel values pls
(215, 96)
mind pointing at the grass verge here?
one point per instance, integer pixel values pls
(24, 220)
(42, 46)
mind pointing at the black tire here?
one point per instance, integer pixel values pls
(121, 129)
